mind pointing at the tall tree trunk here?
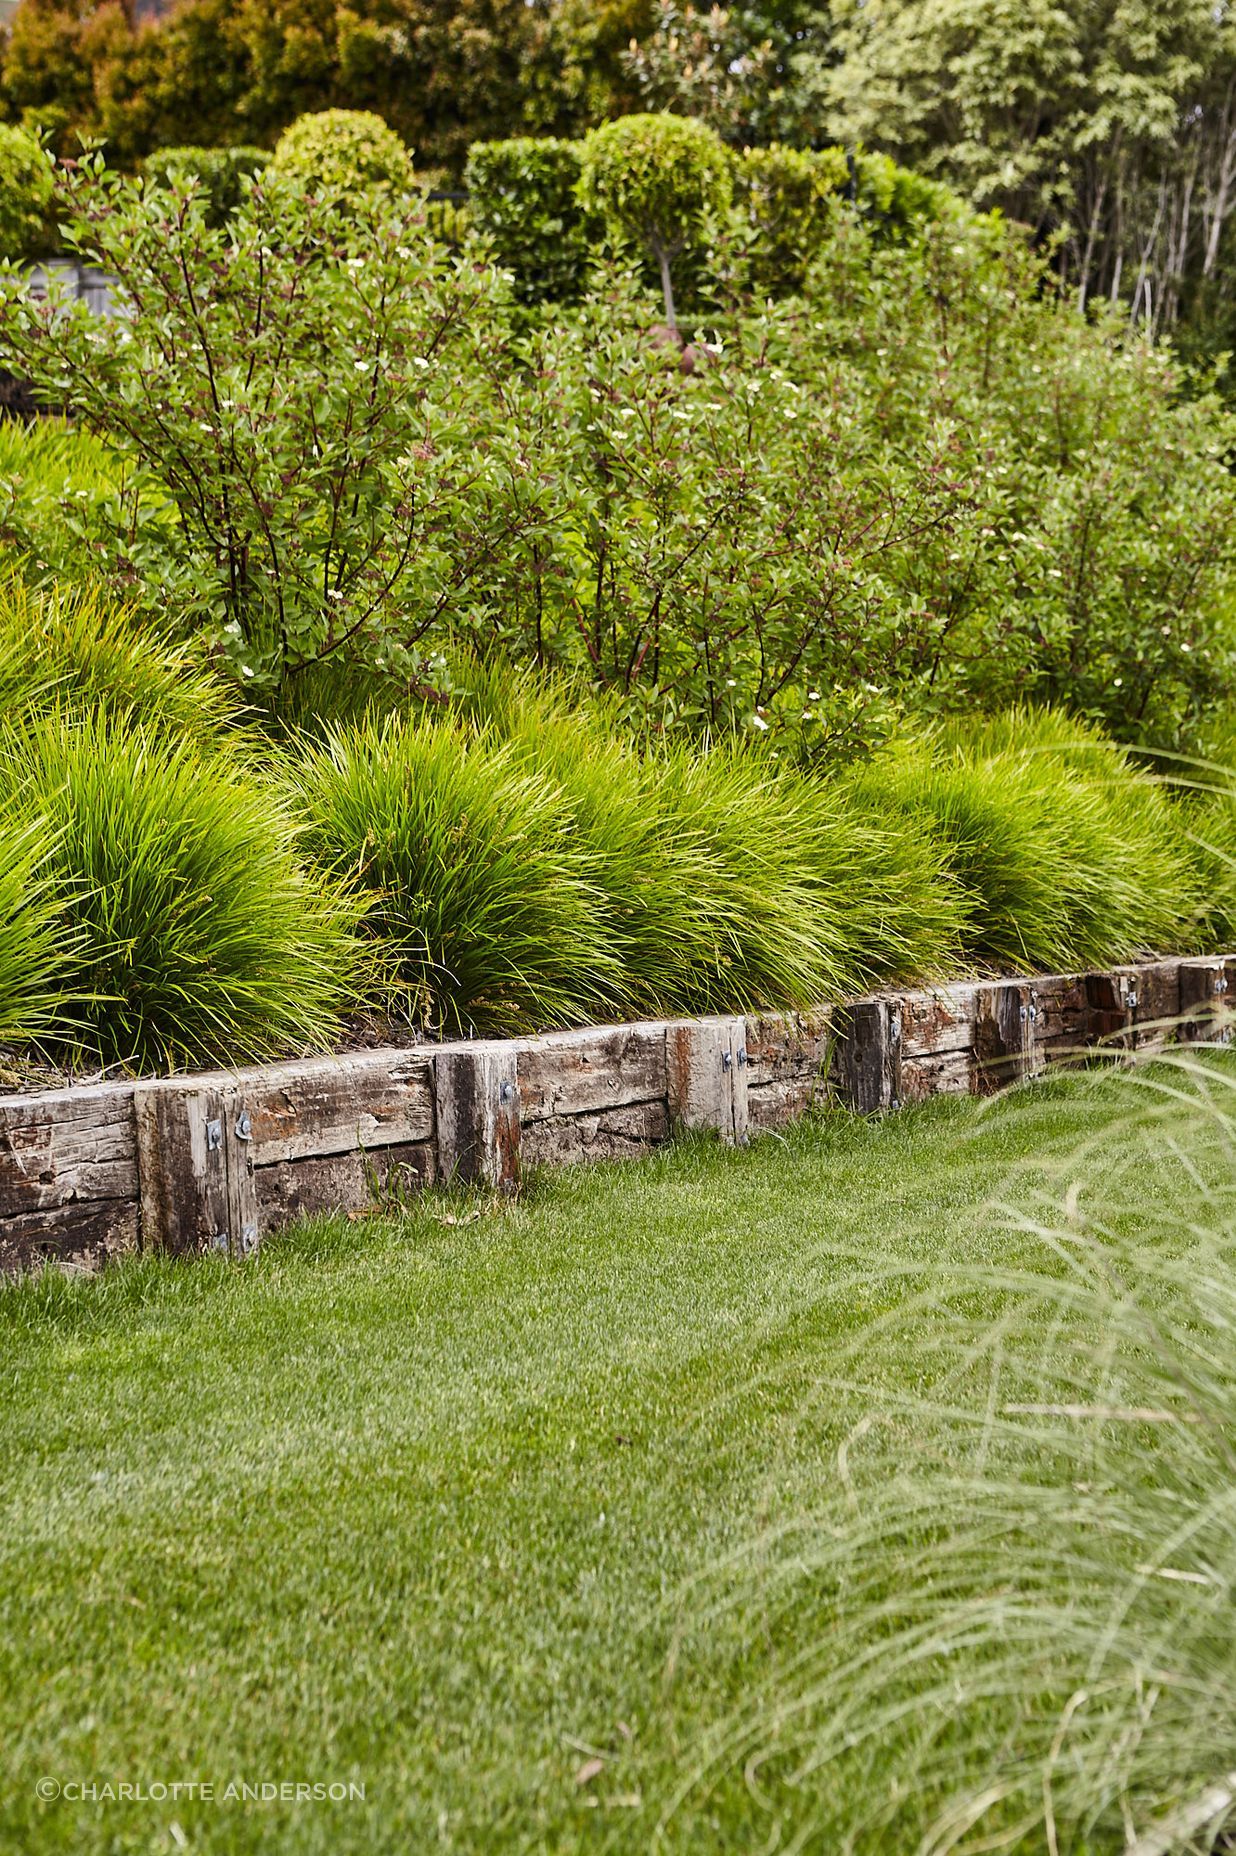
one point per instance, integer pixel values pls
(667, 286)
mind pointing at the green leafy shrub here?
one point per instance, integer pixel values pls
(655, 180)
(341, 153)
(196, 933)
(219, 172)
(307, 498)
(475, 882)
(788, 199)
(25, 193)
(924, 484)
(523, 197)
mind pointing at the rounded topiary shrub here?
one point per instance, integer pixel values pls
(656, 180)
(25, 193)
(343, 152)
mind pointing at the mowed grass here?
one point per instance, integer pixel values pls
(447, 1508)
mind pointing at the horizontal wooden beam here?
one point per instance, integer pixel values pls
(214, 1161)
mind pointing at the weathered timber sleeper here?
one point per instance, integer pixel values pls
(190, 1164)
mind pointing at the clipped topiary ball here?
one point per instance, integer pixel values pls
(655, 180)
(343, 152)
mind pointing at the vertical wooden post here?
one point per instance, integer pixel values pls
(1111, 1006)
(867, 1059)
(195, 1168)
(1004, 1045)
(476, 1110)
(1203, 1002)
(706, 1076)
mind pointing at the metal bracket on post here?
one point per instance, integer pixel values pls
(706, 1071)
(195, 1171)
(476, 1110)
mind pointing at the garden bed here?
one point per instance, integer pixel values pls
(213, 1161)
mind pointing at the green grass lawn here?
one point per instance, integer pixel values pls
(462, 1511)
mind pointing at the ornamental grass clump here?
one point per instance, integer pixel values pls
(1068, 855)
(475, 883)
(35, 948)
(726, 880)
(1021, 1575)
(74, 648)
(197, 933)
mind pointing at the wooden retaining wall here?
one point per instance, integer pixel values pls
(212, 1162)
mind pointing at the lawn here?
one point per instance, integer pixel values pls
(462, 1508)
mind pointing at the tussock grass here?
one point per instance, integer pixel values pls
(728, 881)
(196, 932)
(1068, 854)
(34, 948)
(73, 648)
(475, 882)
(1023, 1570)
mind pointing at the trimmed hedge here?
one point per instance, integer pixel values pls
(218, 171)
(340, 153)
(523, 196)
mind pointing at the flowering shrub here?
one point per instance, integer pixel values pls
(924, 482)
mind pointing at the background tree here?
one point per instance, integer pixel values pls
(1110, 129)
(25, 193)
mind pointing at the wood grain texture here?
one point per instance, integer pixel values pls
(592, 1071)
(216, 1159)
(354, 1182)
(1204, 1006)
(1004, 1048)
(195, 1169)
(938, 1073)
(939, 1020)
(333, 1105)
(67, 1147)
(615, 1134)
(866, 1071)
(80, 1235)
(706, 1076)
(476, 1103)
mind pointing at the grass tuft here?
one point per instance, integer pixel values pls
(197, 934)
(474, 880)
(1069, 855)
(76, 649)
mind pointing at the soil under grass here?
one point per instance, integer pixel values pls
(435, 1506)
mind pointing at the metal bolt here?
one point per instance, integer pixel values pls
(1034, 1013)
(1023, 1013)
(1131, 1001)
(506, 1095)
(244, 1126)
(219, 1240)
(214, 1139)
(742, 1056)
(248, 1240)
(727, 1059)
